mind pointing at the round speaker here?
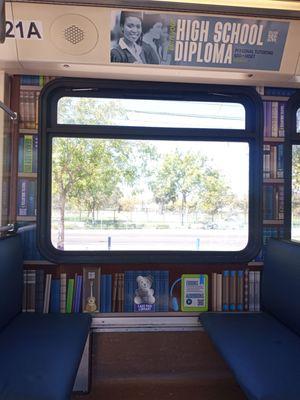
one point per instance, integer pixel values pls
(73, 34)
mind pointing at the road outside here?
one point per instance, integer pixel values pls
(154, 239)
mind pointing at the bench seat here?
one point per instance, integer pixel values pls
(263, 354)
(263, 349)
(40, 355)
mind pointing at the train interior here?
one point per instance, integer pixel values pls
(132, 167)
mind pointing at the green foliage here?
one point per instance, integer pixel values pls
(177, 177)
(296, 170)
(217, 193)
(296, 183)
(90, 174)
(88, 111)
(187, 182)
(85, 172)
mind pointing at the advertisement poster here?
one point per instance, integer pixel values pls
(196, 40)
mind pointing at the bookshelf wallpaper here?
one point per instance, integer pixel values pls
(6, 178)
(274, 103)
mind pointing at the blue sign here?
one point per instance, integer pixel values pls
(197, 41)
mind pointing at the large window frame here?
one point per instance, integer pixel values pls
(49, 128)
(292, 138)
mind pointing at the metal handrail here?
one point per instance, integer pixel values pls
(7, 228)
(14, 228)
(2, 21)
(13, 115)
(26, 228)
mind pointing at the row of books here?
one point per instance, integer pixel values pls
(26, 198)
(95, 292)
(236, 291)
(34, 80)
(274, 118)
(27, 153)
(275, 91)
(273, 166)
(273, 202)
(5, 206)
(28, 107)
(43, 294)
(30, 87)
(275, 232)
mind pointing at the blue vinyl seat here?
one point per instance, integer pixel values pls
(263, 354)
(263, 349)
(39, 353)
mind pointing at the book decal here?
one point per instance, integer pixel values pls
(144, 299)
(236, 291)
(27, 153)
(194, 292)
(274, 113)
(138, 291)
(91, 289)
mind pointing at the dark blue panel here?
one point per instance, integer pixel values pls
(263, 354)
(11, 278)
(40, 355)
(30, 250)
(281, 282)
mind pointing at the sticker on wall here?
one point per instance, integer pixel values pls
(27, 30)
(197, 41)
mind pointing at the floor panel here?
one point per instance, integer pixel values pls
(158, 366)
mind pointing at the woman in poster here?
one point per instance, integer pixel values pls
(163, 48)
(130, 48)
(155, 35)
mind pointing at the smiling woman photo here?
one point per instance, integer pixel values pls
(130, 48)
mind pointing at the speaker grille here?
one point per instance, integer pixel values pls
(73, 34)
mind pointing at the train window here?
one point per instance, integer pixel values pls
(149, 195)
(293, 220)
(149, 179)
(295, 231)
(155, 113)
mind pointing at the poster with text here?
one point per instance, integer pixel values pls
(143, 37)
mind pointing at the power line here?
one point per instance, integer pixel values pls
(231, 118)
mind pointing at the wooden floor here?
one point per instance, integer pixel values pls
(158, 366)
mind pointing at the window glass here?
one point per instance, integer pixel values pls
(126, 194)
(298, 120)
(151, 113)
(295, 232)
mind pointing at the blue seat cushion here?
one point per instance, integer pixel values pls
(40, 355)
(263, 354)
(281, 282)
(11, 278)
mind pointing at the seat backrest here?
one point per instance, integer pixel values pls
(281, 282)
(11, 278)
